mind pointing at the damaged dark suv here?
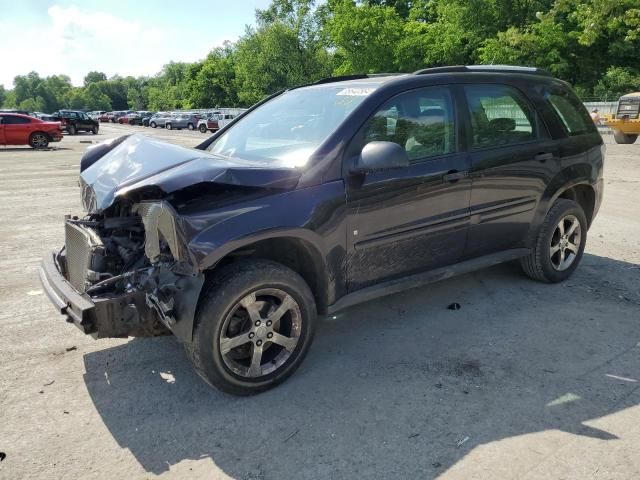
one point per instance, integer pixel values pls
(321, 197)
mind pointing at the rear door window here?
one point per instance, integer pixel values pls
(572, 114)
(500, 115)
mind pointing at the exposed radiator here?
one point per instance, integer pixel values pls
(81, 246)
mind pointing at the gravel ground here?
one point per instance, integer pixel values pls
(526, 380)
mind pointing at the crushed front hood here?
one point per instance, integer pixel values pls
(139, 162)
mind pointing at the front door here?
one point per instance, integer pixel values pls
(415, 218)
(16, 129)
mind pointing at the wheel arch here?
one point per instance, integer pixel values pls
(580, 189)
(295, 249)
(45, 133)
(584, 195)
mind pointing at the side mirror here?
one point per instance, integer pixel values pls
(381, 156)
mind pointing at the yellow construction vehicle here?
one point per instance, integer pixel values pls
(625, 123)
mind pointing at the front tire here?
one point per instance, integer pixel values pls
(190, 126)
(624, 138)
(153, 124)
(559, 245)
(168, 126)
(254, 325)
(94, 130)
(203, 128)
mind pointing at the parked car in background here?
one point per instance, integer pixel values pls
(119, 114)
(131, 118)
(183, 120)
(159, 119)
(209, 123)
(215, 122)
(74, 121)
(141, 115)
(18, 129)
(319, 198)
(96, 114)
(105, 117)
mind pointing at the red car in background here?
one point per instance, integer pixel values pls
(16, 129)
(105, 117)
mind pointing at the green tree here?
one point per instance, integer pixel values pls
(214, 81)
(616, 82)
(272, 58)
(364, 37)
(94, 77)
(94, 99)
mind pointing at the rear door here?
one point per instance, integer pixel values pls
(512, 162)
(407, 220)
(84, 122)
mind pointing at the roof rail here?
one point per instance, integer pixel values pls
(484, 68)
(340, 78)
(357, 76)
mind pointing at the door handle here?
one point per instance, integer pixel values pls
(452, 176)
(543, 157)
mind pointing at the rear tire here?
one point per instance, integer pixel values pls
(94, 130)
(168, 126)
(624, 138)
(203, 128)
(190, 126)
(39, 140)
(559, 245)
(153, 125)
(233, 314)
(72, 129)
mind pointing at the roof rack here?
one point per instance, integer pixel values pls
(357, 76)
(484, 68)
(340, 78)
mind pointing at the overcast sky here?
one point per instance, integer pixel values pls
(125, 37)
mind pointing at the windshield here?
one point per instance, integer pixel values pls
(289, 128)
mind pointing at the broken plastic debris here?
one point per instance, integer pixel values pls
(454, 306)
(462, 442)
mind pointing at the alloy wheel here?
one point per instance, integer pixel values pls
(260, 333)
(39, 140)
(565, 243)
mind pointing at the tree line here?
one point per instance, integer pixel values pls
(593, 44)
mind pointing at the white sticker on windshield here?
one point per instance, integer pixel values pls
(356, 92)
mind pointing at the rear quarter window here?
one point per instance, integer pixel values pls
(571, 112)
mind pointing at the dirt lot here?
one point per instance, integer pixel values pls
(525, 381)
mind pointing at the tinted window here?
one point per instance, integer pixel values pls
(14, 120)
(420, 121)
(499, 116)
(572, 113)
